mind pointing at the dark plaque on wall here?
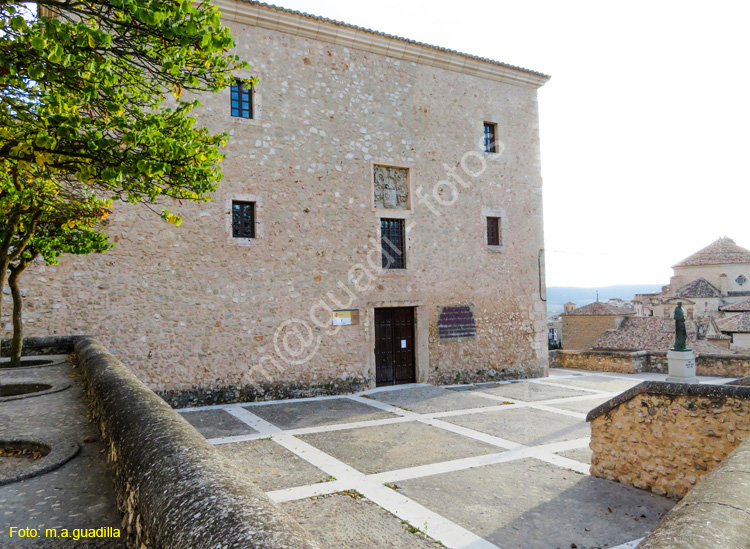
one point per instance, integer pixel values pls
(456, 323)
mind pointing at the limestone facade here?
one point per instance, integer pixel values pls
(349, 127)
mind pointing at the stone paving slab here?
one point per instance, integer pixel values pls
(396, 446)
(600, 383)
(79, 494)
(343, 522)
(271, 466)
(530, 504)
(217, 423)
(581, 406)
(531, 392)
(430, 399)
(579, 454)
(334, 411)
(526, 426)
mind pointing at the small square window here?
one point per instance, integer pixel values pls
(243, 219)
(489, 137)
(393, 240)
(242, 99)
(494, 236)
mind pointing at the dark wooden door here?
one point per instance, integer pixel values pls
(394, 346)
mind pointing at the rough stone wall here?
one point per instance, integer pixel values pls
(649, 361)
(667, 443)
(188, 307)
(582, 332)
(715, 514)
(602, 361)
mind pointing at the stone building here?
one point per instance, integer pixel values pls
(712, 277)
(582, 327)
(380, 221)
(712, 285)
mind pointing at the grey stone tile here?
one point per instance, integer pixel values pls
(525, 425)
(582, 406)
(426, 400)
(342, 522)
(531, 392)
(79, 494)
(270, 466)
(334, 411)
(217, 423)
(579, 454)
(600, 383)
(529, 504)
(396, 446)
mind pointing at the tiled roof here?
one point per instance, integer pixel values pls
(735, 323)
(650, 333)
(539, 77)
(720, 252)
(599, 309)
(740, 306)
(698, 288)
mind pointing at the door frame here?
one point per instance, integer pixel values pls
(421, 339)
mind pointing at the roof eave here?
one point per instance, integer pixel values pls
(259, 14)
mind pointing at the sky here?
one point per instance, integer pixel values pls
(644, 126)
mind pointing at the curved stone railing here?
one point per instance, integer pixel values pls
(174, 488)
(716, 513)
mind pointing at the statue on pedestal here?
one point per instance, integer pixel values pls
(680, 339)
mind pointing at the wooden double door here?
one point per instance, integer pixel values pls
(394, 346)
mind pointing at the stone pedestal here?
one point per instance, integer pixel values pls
(681, 366)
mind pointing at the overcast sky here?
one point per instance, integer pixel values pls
(645, 125)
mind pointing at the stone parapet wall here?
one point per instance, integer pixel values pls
(173, 487)
(648, 361)
(665, 437)
(715, 514)
(602, 361)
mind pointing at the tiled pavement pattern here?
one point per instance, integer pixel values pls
(473, 466)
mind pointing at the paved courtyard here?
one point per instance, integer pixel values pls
(471, 466)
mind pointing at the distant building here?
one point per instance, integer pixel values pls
(715, 276)
(736, 324)
(657, 334)
(554, 331)
(709, 284)
(582, 327)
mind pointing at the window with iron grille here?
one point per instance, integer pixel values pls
(489, 137)
(242, 99)
(392, 238)
(493, 231)
(243, 219)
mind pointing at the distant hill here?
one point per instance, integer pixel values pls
(557, 296)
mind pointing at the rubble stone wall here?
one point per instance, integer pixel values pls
(665, 437)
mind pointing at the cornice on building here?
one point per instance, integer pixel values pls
(266, 16)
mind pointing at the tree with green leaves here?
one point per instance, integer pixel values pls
(83, 117)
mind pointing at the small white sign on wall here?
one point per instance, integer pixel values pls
(403, 344)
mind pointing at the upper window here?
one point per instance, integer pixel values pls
(494, 235)
(393, 240)
(243, 219)
(741, 280)
(489, 137)
(242, 99)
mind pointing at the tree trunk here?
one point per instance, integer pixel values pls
(16, 346)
